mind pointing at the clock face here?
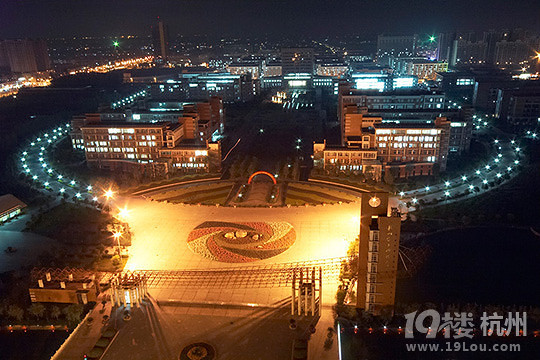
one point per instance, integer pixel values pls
(374, 201)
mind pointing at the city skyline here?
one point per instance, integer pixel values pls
(234, 18)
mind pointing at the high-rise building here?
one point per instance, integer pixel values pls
(160, 35)
(297, 60)
(378, 254)
(396, 46)
(24, 56)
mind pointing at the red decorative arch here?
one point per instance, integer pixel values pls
(262, 173)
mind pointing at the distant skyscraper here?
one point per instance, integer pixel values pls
(297, 60)
(160, 34)
(24, 56)
(395, 46)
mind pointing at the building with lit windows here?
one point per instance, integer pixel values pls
(201, 86)
(406, 147)
(335, 159)
(412, 148)
(353, 100)
(425, 69)
(150, 149)
(251, 67)
(331, 68)
(380, 230)
(10, 207)
(272, 68)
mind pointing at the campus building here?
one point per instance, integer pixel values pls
(378, 254)
(10, 207)
(180, 137)
(297, 60)
(410, 147)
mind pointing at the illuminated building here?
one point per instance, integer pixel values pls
(331, 68)
(425, 70)
(160, 36)
(347, 159)
(353, 100)
(413, 147)
(10, 207)
(379, 237)
(272, 68)
(297, 60)
(151, 149)
(382, 81)
(201, 86)
(251, 67)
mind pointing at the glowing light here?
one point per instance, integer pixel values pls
(447, 183)
(447, 193)
(499, 155)
(78, 195)
(89, 188)
(72, 182)
(477, 172)
(46, 184)
(414, 200)
(95, 198)
(34, 177)
(484, 181)
(488, 167)
(117, 235)
(432, 38)
(471, 187)
(518, 149)
(108, 194)
(60, 177)
(464, 178)
(116, 43)
(509, 169)
(62, 190)
(123, 213)
(499, 175)
(401, 193)
(516, 162)
(427, 188)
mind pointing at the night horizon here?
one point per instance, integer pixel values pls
(261, 17)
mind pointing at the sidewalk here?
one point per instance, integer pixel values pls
(85, 336)
(316, 349)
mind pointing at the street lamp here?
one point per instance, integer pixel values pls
(109, 194)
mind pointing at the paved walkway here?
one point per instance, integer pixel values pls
(85, 336)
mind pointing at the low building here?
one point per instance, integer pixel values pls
(336, 159)
(425, 69)
(66, 286)
(10, 207)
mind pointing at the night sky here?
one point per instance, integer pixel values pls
(58, 18)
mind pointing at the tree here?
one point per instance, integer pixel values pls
(55, 312)
(388, 177)
(73, 313)
(37, 310)
(15, 312)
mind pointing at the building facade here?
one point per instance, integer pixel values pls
(380, 230)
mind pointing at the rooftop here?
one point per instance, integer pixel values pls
(9, 202)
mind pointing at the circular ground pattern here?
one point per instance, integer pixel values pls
(198, 351)
(241, 242)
